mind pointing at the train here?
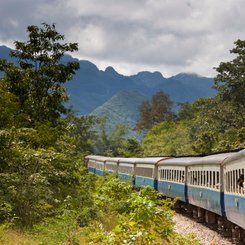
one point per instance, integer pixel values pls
(210, 187)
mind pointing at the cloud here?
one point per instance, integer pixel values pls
(167, 35)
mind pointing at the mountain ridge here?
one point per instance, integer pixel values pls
(90, 88)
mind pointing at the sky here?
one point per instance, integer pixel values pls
(170, 36)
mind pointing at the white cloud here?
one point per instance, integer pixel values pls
(167, 35)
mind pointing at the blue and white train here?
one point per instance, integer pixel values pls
(212, 187)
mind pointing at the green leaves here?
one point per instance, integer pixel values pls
(230, 81)
(37, 81)
(134, 217)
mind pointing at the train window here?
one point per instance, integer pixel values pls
(218, 181)
(214, 179)
(210, 179)
(240, 181)
(205, 178)
(226, 181)
(230, 181)
(112, 167)
(146, 172)
(125, 169)
(229, 176)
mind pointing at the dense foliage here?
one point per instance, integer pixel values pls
(210, 124)
(40, 153)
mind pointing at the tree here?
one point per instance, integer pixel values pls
(155, 111)
(230, 81)
(40, 152)
(37, 79)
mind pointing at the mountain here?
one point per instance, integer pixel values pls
(104, 92)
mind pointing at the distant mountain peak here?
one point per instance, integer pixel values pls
(187, 74)
(110, 70)
(148, 74)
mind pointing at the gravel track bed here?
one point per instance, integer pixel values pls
(185, 225)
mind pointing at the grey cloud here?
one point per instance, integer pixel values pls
(171, 35)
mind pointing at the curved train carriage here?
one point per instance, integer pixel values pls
(126, 168)
(234, 188)
(205, 184)
(213, 183)
(146, 171)
(95, 164)
(172, 178)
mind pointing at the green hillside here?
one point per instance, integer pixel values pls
(122, 108)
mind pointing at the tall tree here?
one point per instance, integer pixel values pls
(38, 78)
(155, 111)
(230, 81)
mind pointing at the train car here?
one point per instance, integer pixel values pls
(146, 171)
(172, 177)
(96, 164)
(205, 183)
(111, 164)
(126, 169)
(234, 188)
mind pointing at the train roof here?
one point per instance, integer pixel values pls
(150, 160)
(235, 157)
(97, 158)
(215, 159)
(115, 159)
(180, 161)
(143, 160)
